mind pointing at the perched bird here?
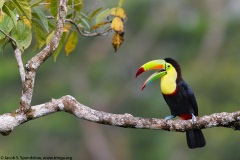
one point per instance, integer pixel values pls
(177, 94)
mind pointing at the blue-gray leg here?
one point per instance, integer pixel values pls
(193, 118)
(168, 118)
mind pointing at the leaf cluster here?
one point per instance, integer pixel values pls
(118, 16)
(15, 20)
(22, 21)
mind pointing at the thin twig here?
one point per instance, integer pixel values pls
(89, 34)
(49, 17)
(85, 33)
(12, 39)
(18, 56)
(46, 3)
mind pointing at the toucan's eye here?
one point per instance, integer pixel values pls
(168, 66)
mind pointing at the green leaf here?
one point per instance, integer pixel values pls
(101, 16)
(52, 26)
(95, 12)
(6, 24)
(82, 15)
(39, 33)
(49, 37)
(22, 34)
(24, 8)
(120, 3)
(10, 14)
(86, 23)
(78, 4)
(1, 3)
(42, 18)
(61, 43)
(71, 42)
(4, 43)
(10, 5)
(54, 8)
(37, 3)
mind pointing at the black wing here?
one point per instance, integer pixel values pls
(188, 94)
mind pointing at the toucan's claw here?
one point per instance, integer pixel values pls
(168, 118)
(193, 118)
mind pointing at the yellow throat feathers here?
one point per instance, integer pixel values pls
(168, 81)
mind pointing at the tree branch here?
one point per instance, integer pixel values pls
(69, 104)
(12, 39)
(42, 56)
(89, 34)
(18, 56)
(85, 33)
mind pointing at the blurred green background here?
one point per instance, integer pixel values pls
(203, 36)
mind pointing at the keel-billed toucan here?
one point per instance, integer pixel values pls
(177, 93)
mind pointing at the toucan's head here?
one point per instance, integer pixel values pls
(163, 67)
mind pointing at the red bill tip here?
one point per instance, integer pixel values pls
(140, 70)
(143, 87)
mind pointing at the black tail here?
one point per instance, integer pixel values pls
(195, 139)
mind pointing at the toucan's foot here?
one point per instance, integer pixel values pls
(193, 118)
(168, 118)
